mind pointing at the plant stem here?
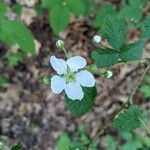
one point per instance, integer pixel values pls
(129, 100)
(65, 52)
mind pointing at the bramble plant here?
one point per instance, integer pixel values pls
(75, 78)
(76, 83)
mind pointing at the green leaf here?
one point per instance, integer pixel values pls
(105, 57)
(128, 119)
(77, 6)
(3, 80)
(146, 31)
(131, 13)
(14, 58)
(3, 8)
(80, 107)
(115, 31)
(16, 147)
(17, 9)
(59, 18)
(133, 51)
(64, 142)
(111, 142)
(145, 89)
(105, 11)
(137, 3)
(13, 32)
(49, 4)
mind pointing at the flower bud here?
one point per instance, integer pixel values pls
(46, 80)
(97, 39)
(108, 74)
(60, 44)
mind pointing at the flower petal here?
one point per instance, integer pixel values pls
(59, 65)
(76, 62)
(74, 91)
(85, 78)
(57, 84)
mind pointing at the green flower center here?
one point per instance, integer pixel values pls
(69, 77)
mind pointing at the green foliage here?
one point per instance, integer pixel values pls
(64, 142)
(146, 30)
(104, 12)
(3, 80)
(132, 11)
(14, 58)
(80, 107)
(128, 119)
(133, 51)
(59, 12)
(2, 144)
(17, 9)
(82, 141)
(105, 57)
(46, 80)
(145, 88)
(111, 142)
(13, 32)
(115, 31)
(77, 7)
(17, 146)
(132, 142)
(3, 8)
(59, 18)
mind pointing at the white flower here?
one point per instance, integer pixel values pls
(97, 39)
(70, 76)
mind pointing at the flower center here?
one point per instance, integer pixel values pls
(69, 77)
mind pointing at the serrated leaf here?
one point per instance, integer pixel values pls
(15, 32)
(133, 51)
(80, 107)
(128, 119)
(115, 31)
(131, 13)
(105, 11)
(77, 6)
(59, 18)
(105, 57)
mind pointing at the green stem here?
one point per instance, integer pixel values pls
(65, 52)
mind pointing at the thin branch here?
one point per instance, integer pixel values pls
(129, 100)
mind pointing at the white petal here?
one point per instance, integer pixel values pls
(76, 62)
(74, 91)
(59, 65)
(85, 78)
(57, 84)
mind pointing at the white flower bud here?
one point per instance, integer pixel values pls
(60, 44)
(108, 74)
(97, 39)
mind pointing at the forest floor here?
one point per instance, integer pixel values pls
(32, 114)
